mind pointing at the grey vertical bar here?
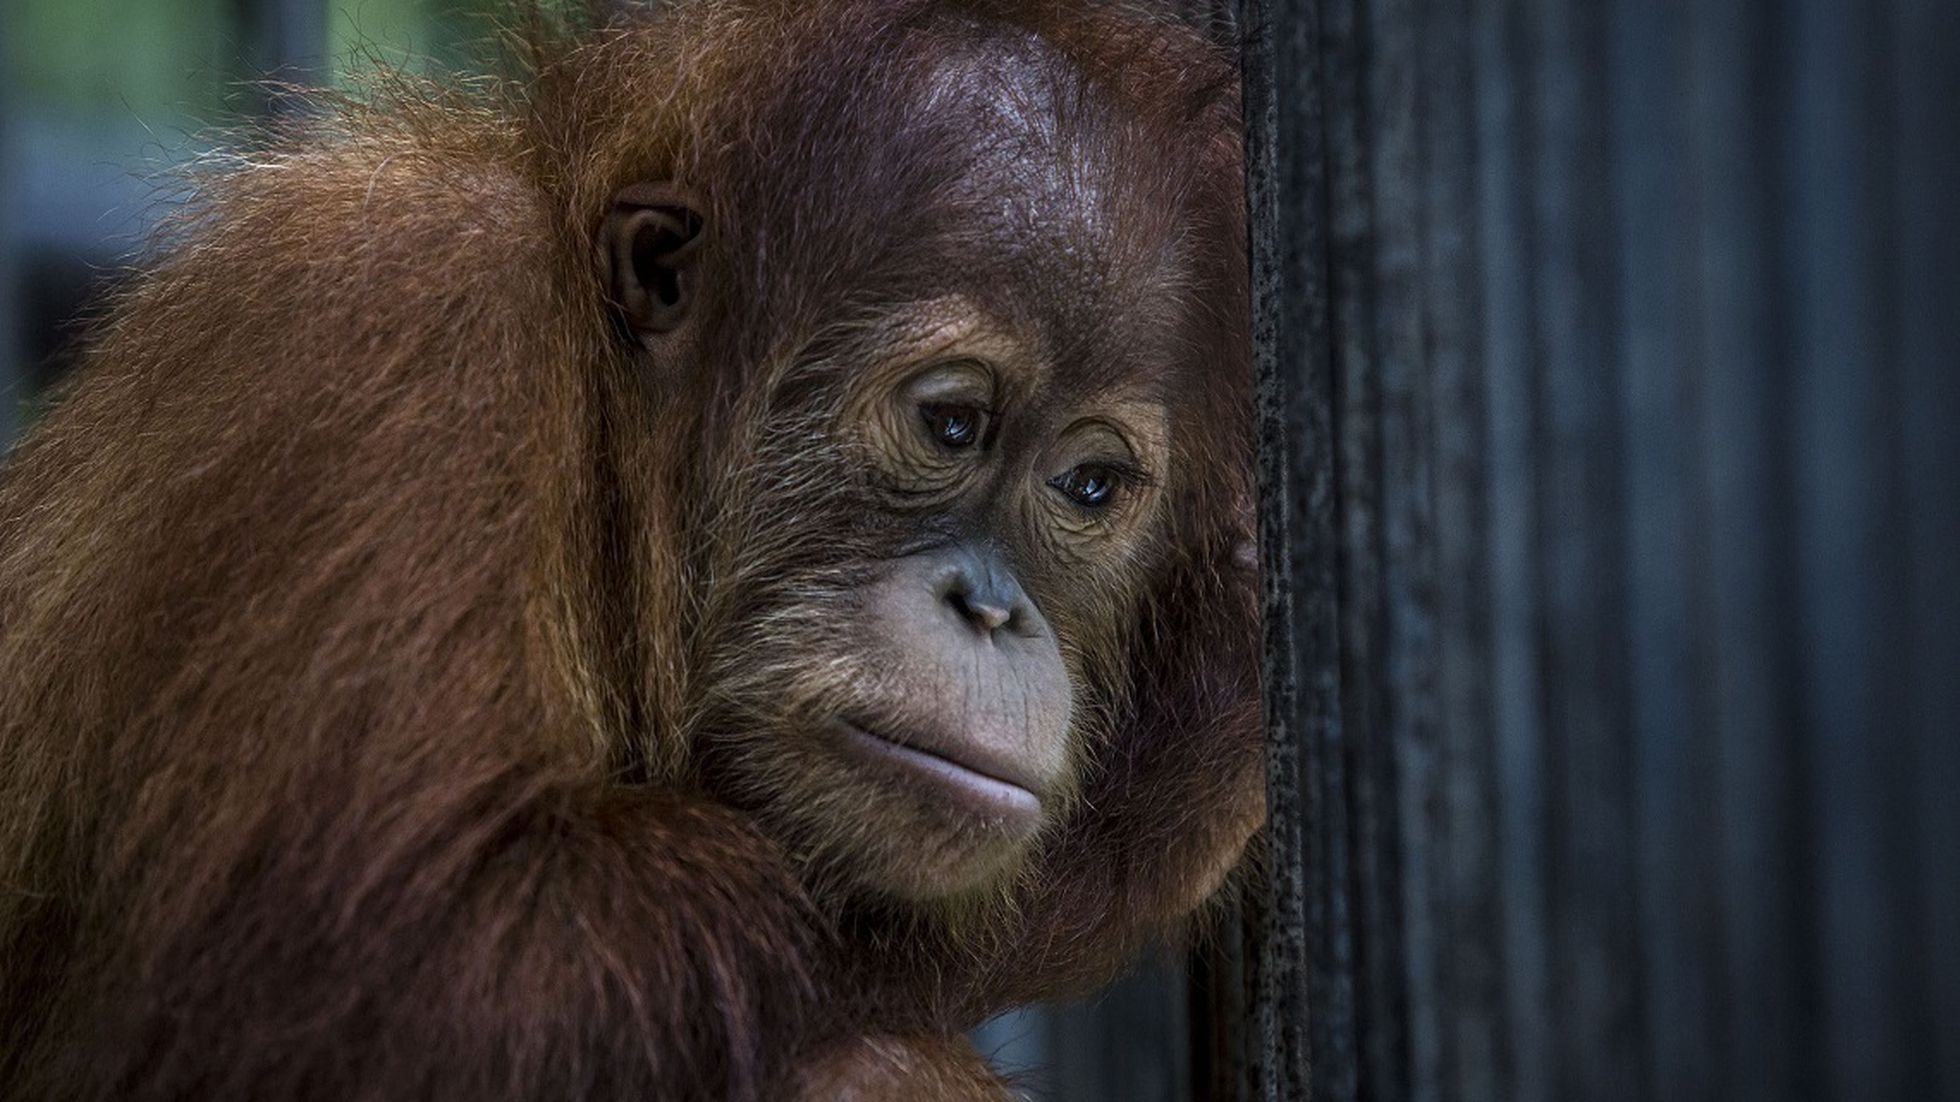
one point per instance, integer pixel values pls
(1465, 1006)
(1578, 531)
(296, 34)
(1368, 494)
(1673, 740)
(1926, 46)
(285, 42)
(1504, 227)
(1738, 57)
(1304, 1014)
(1399, 839)
(1854, 570)
(13, 373)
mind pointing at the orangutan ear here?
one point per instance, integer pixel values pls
(649, 247)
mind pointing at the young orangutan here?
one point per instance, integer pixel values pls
(696, 577)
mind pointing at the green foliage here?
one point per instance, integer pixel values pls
(169, 60)
(431, 37)
(166, 58)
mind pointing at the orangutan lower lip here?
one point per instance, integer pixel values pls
(990, 794)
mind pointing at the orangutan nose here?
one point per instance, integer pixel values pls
(984, 592)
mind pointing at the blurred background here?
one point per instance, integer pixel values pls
(100, 99)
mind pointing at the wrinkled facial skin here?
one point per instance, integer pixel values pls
(1037, 502)
(943, 510)
(947, 640)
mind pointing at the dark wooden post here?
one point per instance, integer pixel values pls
(1301, 964)
(1610, 406)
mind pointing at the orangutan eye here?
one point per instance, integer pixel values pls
(1092, 485)
(954, 426)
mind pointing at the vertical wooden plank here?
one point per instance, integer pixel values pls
(1644, 369)
(1465, 1009)
(1352, 64)
(1225, 1052)
(1926, 53)
(1673, 741)
(1853, 570)
(1304, 1014)
(1404, 800)
(1508, 279)
(1738, 58)
(1578, 497)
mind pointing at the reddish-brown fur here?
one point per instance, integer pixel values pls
(351, 606)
